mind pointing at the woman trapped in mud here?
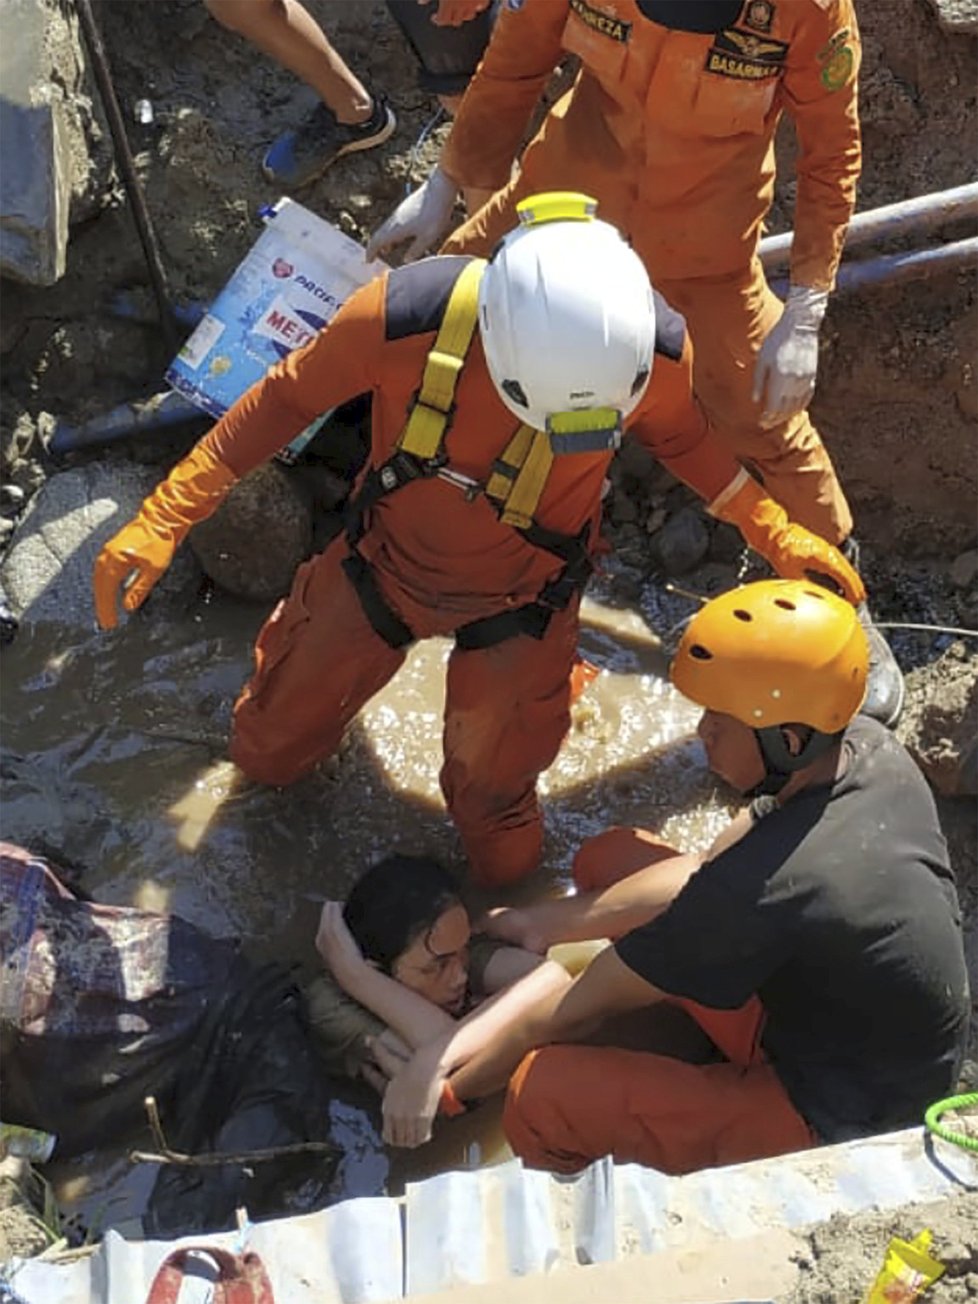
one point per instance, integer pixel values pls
(403, 967)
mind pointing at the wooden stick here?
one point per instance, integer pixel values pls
(167, 1156)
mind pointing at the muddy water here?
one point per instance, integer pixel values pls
(114, 759)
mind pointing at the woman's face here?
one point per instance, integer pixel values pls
(436, 964)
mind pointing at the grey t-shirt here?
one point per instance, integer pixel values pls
(341, 1027)
(839, 910)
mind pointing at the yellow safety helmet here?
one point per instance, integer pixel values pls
(776, 652)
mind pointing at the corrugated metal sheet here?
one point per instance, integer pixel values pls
(503, 1222)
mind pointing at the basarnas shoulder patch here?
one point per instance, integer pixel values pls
(745, 56)
(837, 60)
(609, 25)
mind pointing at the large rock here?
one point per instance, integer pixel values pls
(940, 722)
(49, 176)
(682, 543)
(47, 573)
(253, 543)
(957, 15)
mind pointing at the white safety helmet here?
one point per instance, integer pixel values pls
(567, 322)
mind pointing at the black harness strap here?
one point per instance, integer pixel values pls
(533, 618)
(385, 622)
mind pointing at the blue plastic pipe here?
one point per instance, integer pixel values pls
(909, 216)
(138, 418)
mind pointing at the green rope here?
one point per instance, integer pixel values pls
(945, 1133)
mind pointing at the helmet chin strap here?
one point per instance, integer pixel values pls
(780, 763)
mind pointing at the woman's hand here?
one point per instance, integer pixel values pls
(394, 1052)
(510, 924)
(336, 945)
(412, 1096)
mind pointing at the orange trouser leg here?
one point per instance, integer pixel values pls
(569, 1105)
(614, 854)
(317, 661)
(506, 713)
(728, 319)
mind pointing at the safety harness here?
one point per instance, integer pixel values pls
(513, 488)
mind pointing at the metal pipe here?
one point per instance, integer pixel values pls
(890, 269)
(908, 216)
(142, 417)
(123, 154)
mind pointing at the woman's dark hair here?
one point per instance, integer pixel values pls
(396, 901)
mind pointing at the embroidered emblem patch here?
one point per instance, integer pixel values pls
(837, 60)
(759, 15)
(745, 57)
(607, 24)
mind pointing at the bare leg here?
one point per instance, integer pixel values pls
(287, 33)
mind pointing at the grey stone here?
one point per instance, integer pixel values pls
(726, 542)
(262, 531)
(940, 722)
(45, 122)
(957, 15)
(682, 542)
(964, 570)
(47, 572)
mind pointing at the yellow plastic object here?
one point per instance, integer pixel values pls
(556, 206)
(907, 1271)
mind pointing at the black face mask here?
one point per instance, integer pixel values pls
(703, 16)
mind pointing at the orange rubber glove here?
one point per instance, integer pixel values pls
(794, 552)
(143, 549)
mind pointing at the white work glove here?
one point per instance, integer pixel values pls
(422, 218)
(784, 375)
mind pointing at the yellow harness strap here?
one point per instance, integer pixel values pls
(522, 469)
(425, 427)
(521, 472)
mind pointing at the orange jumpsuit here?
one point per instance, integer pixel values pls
(672, 130)
(440, 559)
(569, 1105)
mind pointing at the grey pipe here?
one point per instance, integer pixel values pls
(890, 269)
(909, 216)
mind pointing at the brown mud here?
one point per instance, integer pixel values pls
(897, 403)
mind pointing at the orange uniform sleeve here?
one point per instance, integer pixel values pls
(341, 362)
(819, 92)
(672, 425)
(522, 52)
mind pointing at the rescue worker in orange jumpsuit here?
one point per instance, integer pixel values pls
(817, 943)
(671, 125)
(477, 513)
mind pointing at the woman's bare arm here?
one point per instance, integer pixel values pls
(414, 1018)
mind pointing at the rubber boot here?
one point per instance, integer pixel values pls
(885, 688)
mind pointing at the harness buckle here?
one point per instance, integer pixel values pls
(471, 489)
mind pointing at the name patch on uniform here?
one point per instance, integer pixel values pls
(745, 56)
(606, 24)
